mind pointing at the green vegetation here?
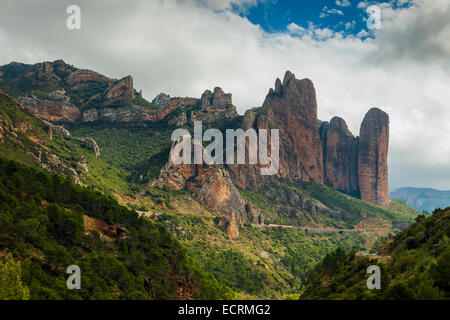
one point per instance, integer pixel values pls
(138, 149)
(11, 287)
(42, 225)
(352, 208)
(401, 206)
(262, 263)
(418, 266)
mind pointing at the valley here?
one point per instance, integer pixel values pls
(229, 228)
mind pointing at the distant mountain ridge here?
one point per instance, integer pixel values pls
(422, 198)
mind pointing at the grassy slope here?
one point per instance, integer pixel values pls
(138, 149)
(102, 176)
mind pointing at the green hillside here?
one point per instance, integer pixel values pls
(43, 222)
(415, 264)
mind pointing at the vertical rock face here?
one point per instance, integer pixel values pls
(51, 110)
(294, 111)
(290, 107)
(340, 156)
(372, 157)
(123, 91)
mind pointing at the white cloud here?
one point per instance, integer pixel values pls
(183, 48)
(323, 34)
(326, 12)
(350, 25)
(363, 5)
(343, 3)
(362, 34)
(295, 29)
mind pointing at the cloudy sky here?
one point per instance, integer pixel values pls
(183, 47)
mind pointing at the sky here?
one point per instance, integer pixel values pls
(182, 47)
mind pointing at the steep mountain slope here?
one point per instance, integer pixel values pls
(50, 224)
(43, 145)
(422, 198)
(415, 264)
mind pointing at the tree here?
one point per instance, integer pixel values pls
(11, 287)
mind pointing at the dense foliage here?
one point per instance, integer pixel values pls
(41, 224)
(414, 264)
(11, 287)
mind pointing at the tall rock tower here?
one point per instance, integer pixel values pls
(293, 110)
(340, 156)
(372, 157)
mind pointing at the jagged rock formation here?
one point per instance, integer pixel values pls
(372, 157)
(85, 95)
(292, 108)
(294, 112)
(91, 145)
(161, 99)
(357, 165)
(312, 150)
(340, 156)
(214, 106)
(211, 185)
(123, 91)
(57, 128)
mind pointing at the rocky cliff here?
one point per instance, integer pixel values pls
(323, 152)
(290, 107)
(340, 156)
(357, 165)
(372, 157)
(211, 185)
(56, 91)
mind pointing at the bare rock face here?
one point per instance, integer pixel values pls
(214, 106)
(372, 157)
(178, 120)
(211, 185)
(292, 108)
(161, 99)
(123, 91)
(80, 77)
(51, 110)
(340, 156)
(91, 144)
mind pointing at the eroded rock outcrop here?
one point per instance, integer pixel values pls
(372, 157)
(340, 156)
(121, 92)
(214, 106)
(290, 107)
(212, 186)
(51, 110)
(91, 144)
